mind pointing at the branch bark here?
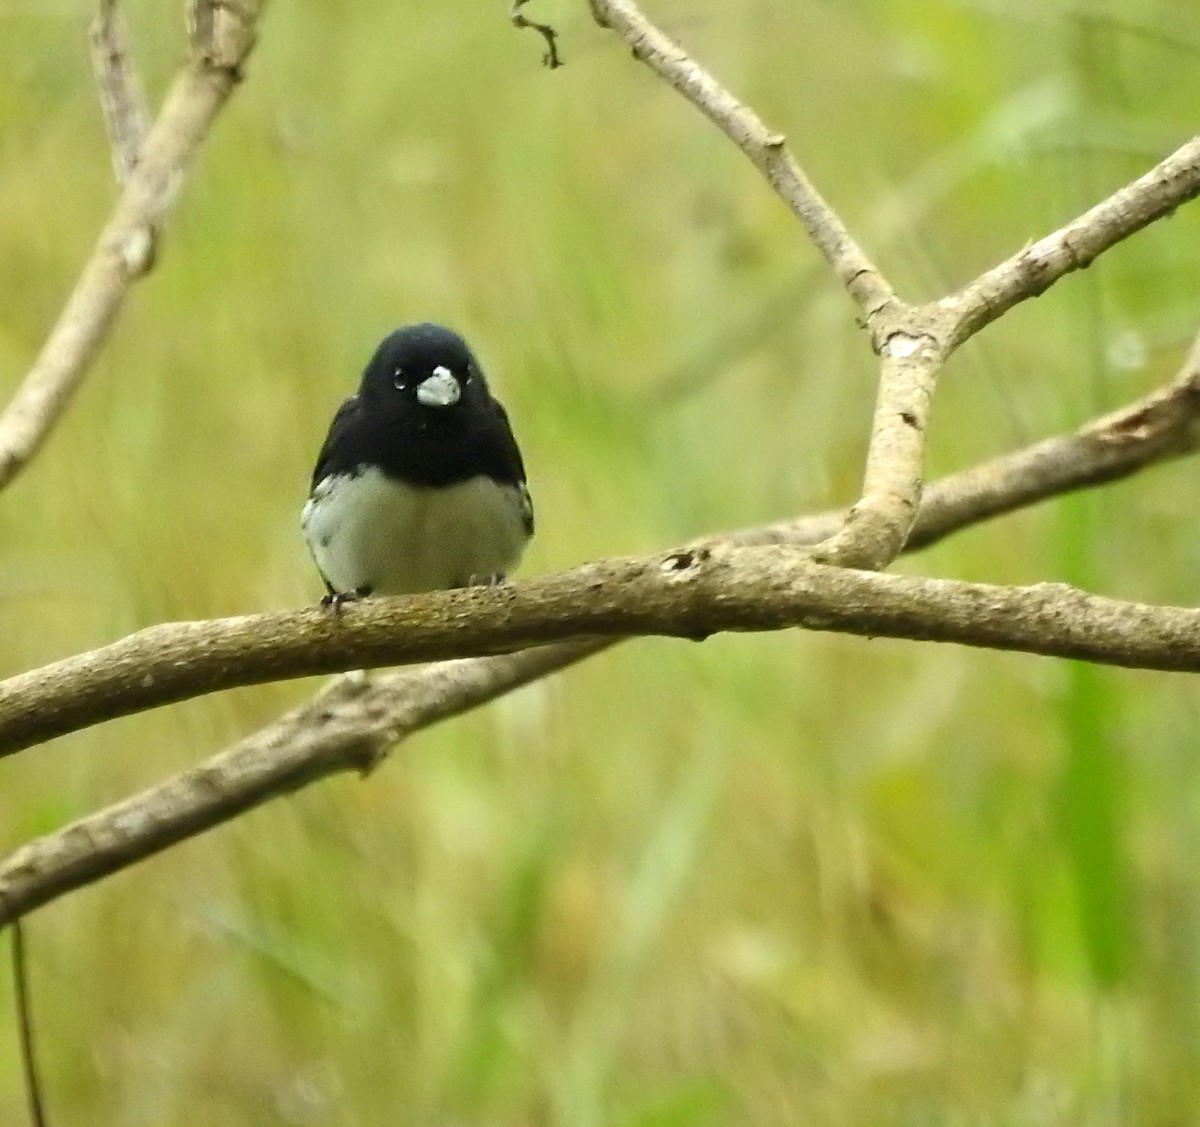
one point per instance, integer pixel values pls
(124, 252)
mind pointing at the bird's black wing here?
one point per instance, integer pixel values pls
(333, 456)
(505, 456)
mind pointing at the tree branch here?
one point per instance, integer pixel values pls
(123, 252)
(348, 726)
(352, 723)
(693, 592)
(918, 340)
(1037, 267)
(880, 521)
(122, 99)
(913, 341)
(766, 149)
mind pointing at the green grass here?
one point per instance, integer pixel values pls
(766, 880)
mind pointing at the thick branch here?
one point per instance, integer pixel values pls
(879, 523)
(352, 723)
(765, 148)
(123, 252)
(691, 593)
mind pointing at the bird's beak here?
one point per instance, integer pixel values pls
(439, 390)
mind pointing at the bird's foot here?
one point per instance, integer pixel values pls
(495, 580)
(335, 600)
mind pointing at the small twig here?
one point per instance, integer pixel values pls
(551, 56)
(20, 976)
(122, 98)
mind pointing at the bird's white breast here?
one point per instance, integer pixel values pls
(369, 531)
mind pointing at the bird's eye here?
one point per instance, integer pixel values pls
(398, 379)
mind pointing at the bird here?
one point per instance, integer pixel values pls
(419, 485)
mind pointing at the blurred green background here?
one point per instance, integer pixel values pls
(766, 880)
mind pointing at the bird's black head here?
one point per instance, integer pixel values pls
(424, 365)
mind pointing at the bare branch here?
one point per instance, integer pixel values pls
(29, 1065)
(122, 254)
(913, 341)
(551, 57)
(879, 523)
(917, 340)
(1033, 270)
(765, 148)
(689, 593)
(1155, 428)
(348, 726)
(122, 98)
(353, 722)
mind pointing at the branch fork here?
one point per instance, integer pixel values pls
(912, 341)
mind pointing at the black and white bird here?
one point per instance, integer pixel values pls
(420, 484)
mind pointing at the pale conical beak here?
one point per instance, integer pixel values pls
(439, 390)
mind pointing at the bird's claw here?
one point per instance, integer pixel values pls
(335, 600)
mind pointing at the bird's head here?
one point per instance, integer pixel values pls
(424, 365)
